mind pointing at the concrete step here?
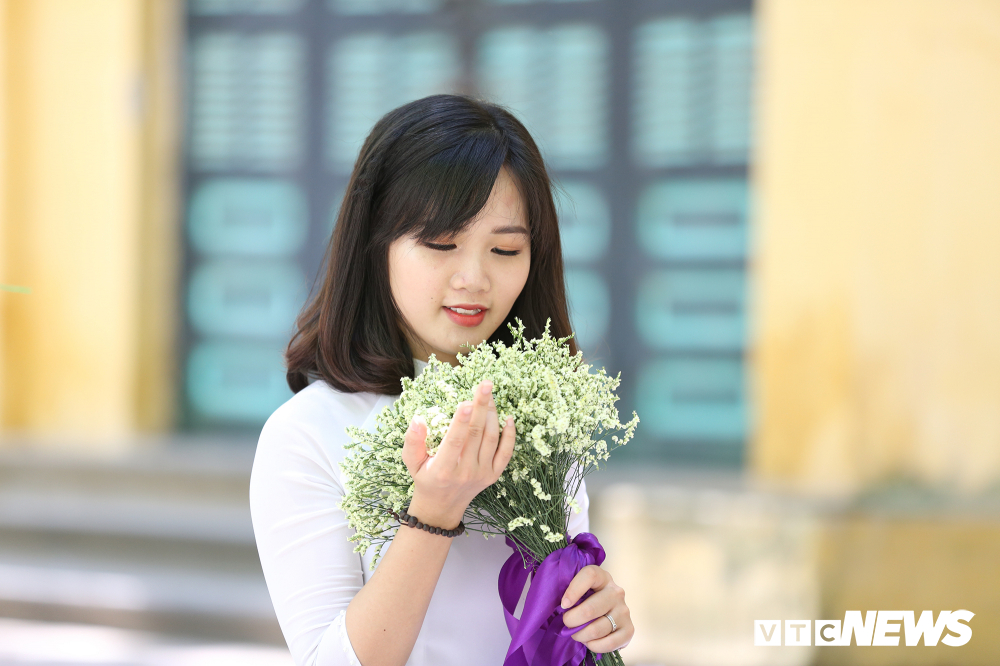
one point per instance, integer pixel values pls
(159, 540)
(173, 468)
(33, 643)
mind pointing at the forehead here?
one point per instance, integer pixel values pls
(505, 203)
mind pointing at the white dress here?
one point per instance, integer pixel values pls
(311, 570)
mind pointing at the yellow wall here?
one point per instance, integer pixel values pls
(86, 220)
(912, 562)
(877, 281)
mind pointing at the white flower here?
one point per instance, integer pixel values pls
(550, 536)
(561, 412)
(537, 485)
(538, 440)
(519, 522)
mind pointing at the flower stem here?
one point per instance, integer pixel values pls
(607, 659)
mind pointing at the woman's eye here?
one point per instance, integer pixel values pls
(440, 246)
(506, 253)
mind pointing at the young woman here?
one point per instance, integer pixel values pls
(447, 232)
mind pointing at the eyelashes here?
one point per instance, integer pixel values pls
(446, 247)
(439, 247)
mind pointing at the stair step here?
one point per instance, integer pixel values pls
(159, 541)
(126, 515)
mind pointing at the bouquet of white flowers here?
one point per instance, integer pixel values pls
(565, 416)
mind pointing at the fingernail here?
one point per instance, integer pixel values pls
(486, 388)
(464, 412)
(565, 604)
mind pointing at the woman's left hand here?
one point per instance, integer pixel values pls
(607, 599)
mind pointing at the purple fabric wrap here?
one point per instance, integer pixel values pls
(539, 638)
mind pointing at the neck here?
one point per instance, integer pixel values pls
(422, 353)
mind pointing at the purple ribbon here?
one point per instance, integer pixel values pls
(540, 638)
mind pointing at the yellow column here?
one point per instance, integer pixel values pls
(876, 281)
(86, 200)
(4, 150)
(160, 217)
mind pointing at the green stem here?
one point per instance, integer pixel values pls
(608, 658)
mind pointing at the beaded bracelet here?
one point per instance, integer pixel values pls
(411, 521)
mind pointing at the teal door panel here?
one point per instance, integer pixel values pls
(692, 309)
(692, 220)
(246, 101)
(731, 47)
(369, 7)
(665, 106)
(246, 299)
(260, 7)
(555, 80)
(371, 73)
(248, 217)
(692, 399)
(236, 381)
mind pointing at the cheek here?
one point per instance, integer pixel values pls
(401, 281)
(514, 279)
(415, 281)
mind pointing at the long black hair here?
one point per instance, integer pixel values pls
(426, 169)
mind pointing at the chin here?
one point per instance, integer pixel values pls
(459, 347)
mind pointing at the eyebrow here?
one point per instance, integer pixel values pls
(511, 230)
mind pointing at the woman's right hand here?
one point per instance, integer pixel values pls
(471, 456)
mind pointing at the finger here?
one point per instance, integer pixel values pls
(505, 449)
(451, 446)
(594, 606)
(415, 445)
(617, 639)
(477, 424)
(491, 436)
(587, 616)
(591, 577)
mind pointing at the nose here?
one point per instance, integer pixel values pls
(470, 276)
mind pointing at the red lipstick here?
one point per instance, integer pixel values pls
(470, 314)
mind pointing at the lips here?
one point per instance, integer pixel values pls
(466, 314)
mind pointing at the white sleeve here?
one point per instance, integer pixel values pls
(580, 522)
(311, 570)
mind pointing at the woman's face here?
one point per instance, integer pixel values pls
(456, 291)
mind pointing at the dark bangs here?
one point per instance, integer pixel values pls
(426, 170)
(440, 188)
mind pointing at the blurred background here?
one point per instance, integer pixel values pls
(780, 222)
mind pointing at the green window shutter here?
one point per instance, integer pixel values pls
(643, 116)
(247, 101)
(555, 80)
(237, 382)
(694, 219)
(693, 399)
(248, 217)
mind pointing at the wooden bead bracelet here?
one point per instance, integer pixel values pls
(411, 521)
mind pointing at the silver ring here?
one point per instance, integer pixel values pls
(614, 627)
